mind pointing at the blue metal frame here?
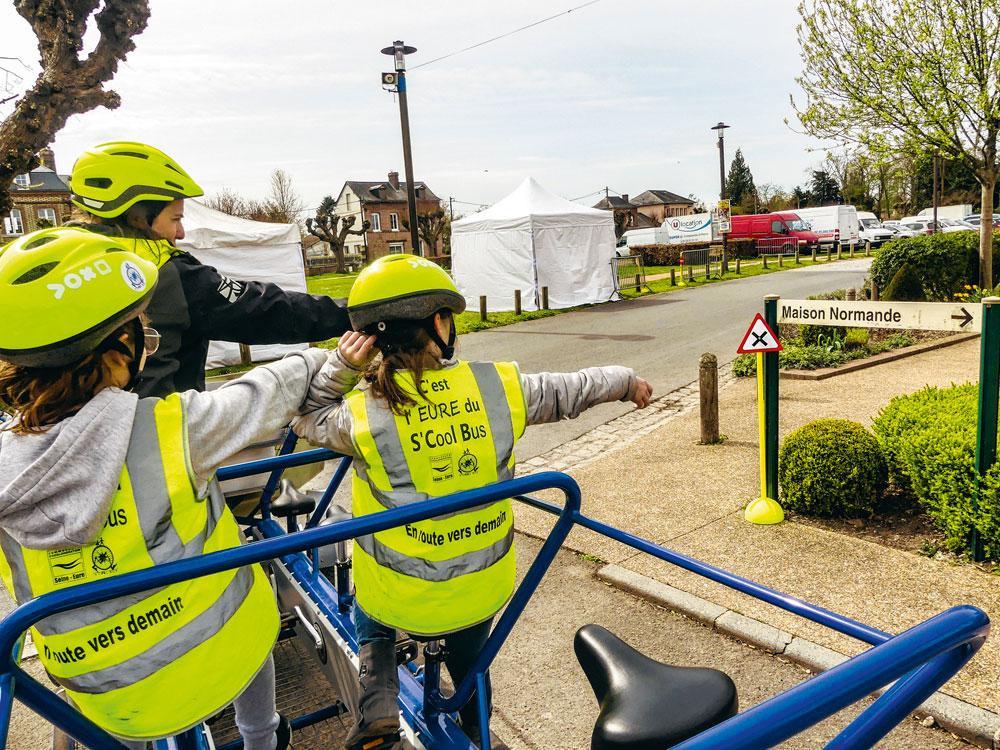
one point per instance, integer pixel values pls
(921, 659)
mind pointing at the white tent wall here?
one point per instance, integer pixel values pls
(529, 240)
(250, 251)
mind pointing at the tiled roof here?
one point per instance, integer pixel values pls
(653, 197)
(383, 192)
(614, 202)
(40, 180)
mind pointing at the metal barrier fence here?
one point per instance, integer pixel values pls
(628, 273)
(919, 660)
(776, 246)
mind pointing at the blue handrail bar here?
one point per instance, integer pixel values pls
(921, 659)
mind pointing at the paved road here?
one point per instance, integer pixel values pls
(660, 336)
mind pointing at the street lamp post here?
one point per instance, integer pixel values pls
(398, 51)
(721, 127)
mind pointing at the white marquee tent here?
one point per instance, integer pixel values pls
(533, 239)
(249, 250)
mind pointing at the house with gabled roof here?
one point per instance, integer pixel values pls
(383, 204)
(660, 205)
(39, 198)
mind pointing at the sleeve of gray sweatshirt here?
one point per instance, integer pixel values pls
(551, 396)
(330, 425)
(253, 407)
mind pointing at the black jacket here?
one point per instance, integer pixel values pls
(193, 304)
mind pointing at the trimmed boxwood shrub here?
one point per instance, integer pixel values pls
(905, 286)
(929, 438)
(944, 263)
(831, 467)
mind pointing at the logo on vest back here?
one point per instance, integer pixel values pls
(66, 565)
(441, 467)
(467, 463)
(102, 559)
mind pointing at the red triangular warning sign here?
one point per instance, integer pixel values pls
(759, 338)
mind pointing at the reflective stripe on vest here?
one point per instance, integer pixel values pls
(461, 437)
(129, 663)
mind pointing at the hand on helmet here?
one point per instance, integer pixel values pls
(356, 348)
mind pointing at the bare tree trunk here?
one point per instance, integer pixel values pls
(986, 232)
(341, 261)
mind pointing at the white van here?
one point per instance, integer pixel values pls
(832, 223)
(870, 230)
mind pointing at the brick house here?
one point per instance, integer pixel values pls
(40, 198)
(384, 205)
(660, 205)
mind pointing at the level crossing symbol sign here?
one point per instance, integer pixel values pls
(759, 338)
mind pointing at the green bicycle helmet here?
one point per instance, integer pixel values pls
(401, 287)
(110, 178)
(63, 291)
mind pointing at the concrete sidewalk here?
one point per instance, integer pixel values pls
(665, 487)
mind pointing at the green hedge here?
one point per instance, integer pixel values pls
(943, 262)
(929, 440)
(831, 467)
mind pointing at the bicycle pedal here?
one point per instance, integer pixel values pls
(406, 651)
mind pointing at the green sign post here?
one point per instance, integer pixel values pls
(989, 401)
(771, 401)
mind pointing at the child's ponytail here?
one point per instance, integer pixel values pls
(404, 347)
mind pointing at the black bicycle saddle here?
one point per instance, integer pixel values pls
(646, 705)
(292, 501)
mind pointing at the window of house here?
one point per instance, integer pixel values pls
(376, 221)
(21, 180)
(395, 248)
(12, 223)
(47, 215)
(393, 222)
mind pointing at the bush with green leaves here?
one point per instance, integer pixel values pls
(943, 262)
(906, 286)
(833, 468)
(929, 440)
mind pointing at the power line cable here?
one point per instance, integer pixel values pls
(502, 36)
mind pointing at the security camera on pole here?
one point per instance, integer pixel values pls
(396, 82)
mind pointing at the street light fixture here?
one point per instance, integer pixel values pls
(721, 127)
(398, 51)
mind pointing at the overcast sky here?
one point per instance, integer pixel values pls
(612, 94)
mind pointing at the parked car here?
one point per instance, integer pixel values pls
(777, 226)
(898, 230)
(976, 220)
(832, 223)
(956, 225)
(870, 229)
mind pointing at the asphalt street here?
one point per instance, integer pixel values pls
(660, 336)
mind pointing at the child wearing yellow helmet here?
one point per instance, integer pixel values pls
(423, 424)
(96, 481)
(135, 191)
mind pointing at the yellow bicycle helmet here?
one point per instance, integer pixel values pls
(63, 291)
(403, 287)
(110, 178)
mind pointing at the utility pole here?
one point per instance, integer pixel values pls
(451, 208)
(721, 127)
(398, 51)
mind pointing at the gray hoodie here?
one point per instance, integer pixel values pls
(56, 488)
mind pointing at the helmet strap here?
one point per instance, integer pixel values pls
(114, 344)
(447, 349)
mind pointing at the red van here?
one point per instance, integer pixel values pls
(776, 226)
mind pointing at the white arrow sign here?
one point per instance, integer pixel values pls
(924, 316)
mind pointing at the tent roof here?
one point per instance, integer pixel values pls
(205, 227)
(531, 203)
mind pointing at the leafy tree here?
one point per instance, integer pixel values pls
(67, 85)
(433, 227)
(739, 183)
(333, 229)
(919, 76)
(824, 189)
(801, 197)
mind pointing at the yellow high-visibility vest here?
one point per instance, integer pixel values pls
(155, 663)
(444, 574)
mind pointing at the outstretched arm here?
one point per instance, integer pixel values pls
(551, 396)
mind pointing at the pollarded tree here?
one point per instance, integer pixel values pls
(432, 227)
(67, 85)
(333, 229)
(908, 75)
(739, 183)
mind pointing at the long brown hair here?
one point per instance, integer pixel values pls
(38, 397)
(404, 347)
